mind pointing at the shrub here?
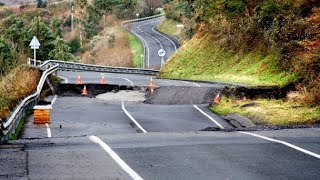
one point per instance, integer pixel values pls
(75, 46)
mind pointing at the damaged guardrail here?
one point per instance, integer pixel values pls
(63, 65)
(9, 127)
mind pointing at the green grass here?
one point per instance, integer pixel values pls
(202, 59)
(17, 133)
(137, 50)
(270, 111)
(169, 26)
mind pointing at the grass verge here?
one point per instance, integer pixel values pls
(203, 59)
(270, 111)
(169, 26)
(137, 50)
(17, 133)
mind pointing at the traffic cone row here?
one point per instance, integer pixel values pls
(102, 81)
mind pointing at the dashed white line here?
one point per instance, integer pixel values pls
(284, 143)
(175, 47)
(213, 120)
(132, 119)
(48, 130)
(128, 81)
(116, 158)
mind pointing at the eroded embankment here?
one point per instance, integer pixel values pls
(173, 94)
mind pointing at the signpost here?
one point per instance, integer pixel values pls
(162, 53)
(34, 44)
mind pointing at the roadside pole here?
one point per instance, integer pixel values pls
(162, 53)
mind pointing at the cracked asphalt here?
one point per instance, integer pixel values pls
(92, 138)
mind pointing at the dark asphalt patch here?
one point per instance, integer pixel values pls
(182, 95)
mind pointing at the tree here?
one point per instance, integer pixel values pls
(39, 29)
(55, 26)
(5, 56)
(75, 46)
(61, 50)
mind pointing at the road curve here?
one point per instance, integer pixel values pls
(153, 41)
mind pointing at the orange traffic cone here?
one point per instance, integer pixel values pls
(217, 99)
(103, 80)
(79, 81)
(84, 91)
(151, 85)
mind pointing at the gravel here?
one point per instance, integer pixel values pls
(135, 96)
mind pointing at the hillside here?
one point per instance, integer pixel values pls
(260, 42)
(269, 43)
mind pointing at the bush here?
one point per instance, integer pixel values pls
(75, 46)
(19, 83)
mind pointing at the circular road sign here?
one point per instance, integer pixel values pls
(161, 52)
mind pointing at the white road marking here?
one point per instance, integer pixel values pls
(65, 79)
(128, 81)
(192, 83)
(146, 45)
(131, 83)
(213, 120)
(132, 119)
(284, 143)
(48, 130)
(116, 158)
(54, 99)
(196, 84)
(175, 47)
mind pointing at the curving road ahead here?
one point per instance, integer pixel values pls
(153, 41)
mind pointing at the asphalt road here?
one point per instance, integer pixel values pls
(154, 41)
(95, 139)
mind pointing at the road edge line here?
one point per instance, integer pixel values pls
(116, 158)
(284, 143)
(132, 119)
(209, 117)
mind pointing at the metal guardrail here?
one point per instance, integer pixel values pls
(8, 128)
(124, 25)
(63, 65)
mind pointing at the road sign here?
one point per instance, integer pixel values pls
(161, 52)
(34, 44)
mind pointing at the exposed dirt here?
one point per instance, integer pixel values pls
(255, 92)
(93, 89)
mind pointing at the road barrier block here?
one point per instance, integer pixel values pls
(42, 114)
